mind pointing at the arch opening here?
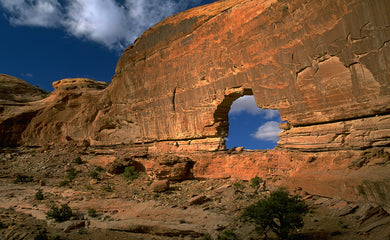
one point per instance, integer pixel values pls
(252, 127)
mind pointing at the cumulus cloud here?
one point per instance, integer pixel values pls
(247, 104)
(43, 13)
(268, 131)
(104, 21)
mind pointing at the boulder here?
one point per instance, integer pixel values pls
(198, 200)
(160, 185)
(172, 167)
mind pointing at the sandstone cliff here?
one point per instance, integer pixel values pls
(324, 66)
(68, 114)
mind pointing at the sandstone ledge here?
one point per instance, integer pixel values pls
(74, 83)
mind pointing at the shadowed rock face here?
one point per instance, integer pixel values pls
(15, 91)
(16, 96)
(323, 65)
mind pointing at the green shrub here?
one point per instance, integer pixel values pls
(238, 186)
(71, 174)
(255, 182)
(94, 175)
(99, 169)
(78, 161)
(39, 195)
(206, 237)
(23, 179)
(108, 188)
(279, 213)
(92, 212)
(227, 235)
(130, 173)
(63, 183)
(150, 182)
(60, 214)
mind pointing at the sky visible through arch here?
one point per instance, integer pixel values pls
(47, 40)
(251, 126)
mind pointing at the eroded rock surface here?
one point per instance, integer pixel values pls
(17, 108)
(323, 66)
(315, 63)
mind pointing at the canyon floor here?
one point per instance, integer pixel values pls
(189, 209)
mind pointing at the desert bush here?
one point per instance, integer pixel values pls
(60, 214)
(93, 174)
(130, 173)
(206, 237)
(39, 195)
(279, 212)
(227, 235)
(92, 212)
(23, 179)
(99, 169)
(71, 174)
(255, 182)
(108, 188)
(63, 183)
(78, 161)
(238, 186)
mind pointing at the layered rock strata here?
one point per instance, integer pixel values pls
(317, 63)
(324, 66)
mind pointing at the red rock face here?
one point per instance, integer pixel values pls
(68, 114)
(317, 63)
(323, 65)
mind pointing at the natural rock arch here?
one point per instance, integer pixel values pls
(221, 113)
(315, 66)
(324, 66)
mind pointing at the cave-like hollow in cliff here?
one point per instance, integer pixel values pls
(243, 124)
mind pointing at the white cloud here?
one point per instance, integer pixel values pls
(247, 104)
(270, 113)
(43, 13)
(104, 21)
(268, 131)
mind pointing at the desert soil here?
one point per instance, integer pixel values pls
(190, 209)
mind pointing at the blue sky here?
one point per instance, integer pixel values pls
(251, 126)
(47, 40)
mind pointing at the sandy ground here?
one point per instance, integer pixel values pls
(134, 211)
